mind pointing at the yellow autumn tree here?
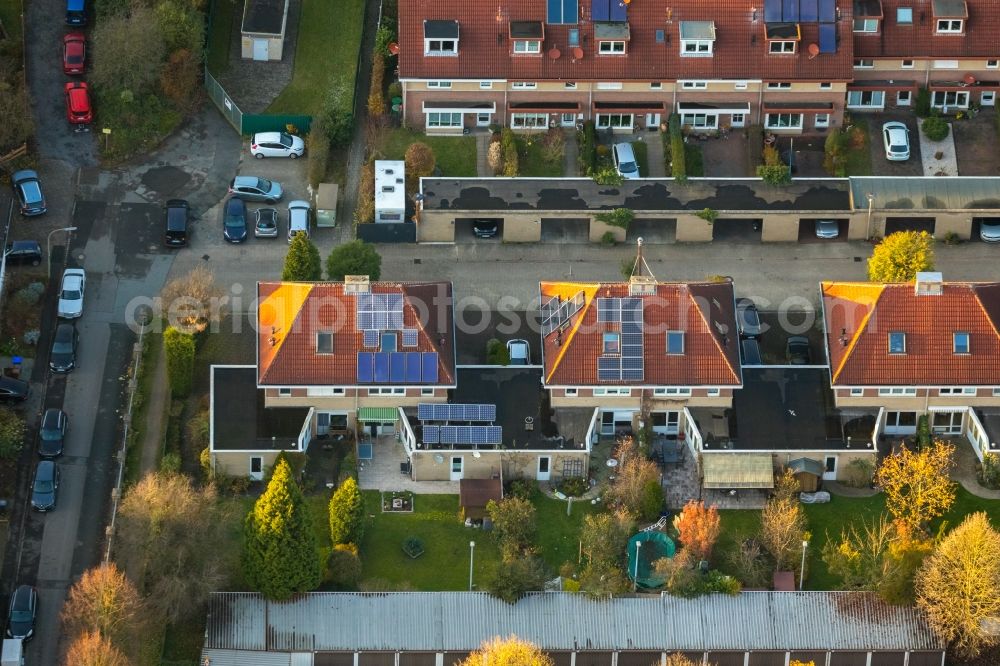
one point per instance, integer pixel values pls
(958, 586)
(510, 651)
(916, 484)
(900, 256)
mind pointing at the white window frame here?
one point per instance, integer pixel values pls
(527, 46)
(737, 119)
(441, 47)
(876, 99)
(284, 392)
(440, 116)
(439, 85)
(609, 85)
(604, 120)
(325, 392)
(957, 390)
(993, 64)
(949, 26)
(713, 392)
(697, 48)
(826, 85)
(822, 120)
(485, 85)
(865, 24)
(571, 393)
(740, 85)
(904, 15)
(621, 391)
(529, 120)
(779, 85)
(694, 85)
(611, 47)
(782, 47)
(857, 392)
(672, 392)
(897, 391)
(904, 98)
(945, 64)
(390, 390)
(794, 121)
(683, 346)
(523, 85)
(425, 391)
(956, 104)
(700, 120)
(906, 64)
(864, 63)
(988, 98)
(569, 85)
(996, 391)
(656, 85)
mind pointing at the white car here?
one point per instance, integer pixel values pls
(74, 281)
(896, 139)
(299, 213)
(276, 144)
(989, 230)
(519, 352)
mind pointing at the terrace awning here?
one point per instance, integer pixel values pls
(378, 414)
(737, 470)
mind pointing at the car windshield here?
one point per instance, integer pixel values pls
(263, 184)
(61, 347)
(43, 485)
(71, 294)
(175, 219)
(234, 221)
(20, 616)
(74, 59)
(51, 433)
(627, 167)
(286, 140)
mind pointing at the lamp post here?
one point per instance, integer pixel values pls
(635, 573)
(871, 202)
(802, 570)
(472, 550)
(48, 243)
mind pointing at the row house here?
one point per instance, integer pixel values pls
(925, 348)
(949, 47)
(532, 64)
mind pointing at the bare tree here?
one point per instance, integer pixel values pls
(105, 601)
(193, 301)
(634, 477)
(92, 649)
(128, 51)
(783, 523)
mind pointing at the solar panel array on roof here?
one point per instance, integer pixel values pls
(557, 312)
(772, 11)
(456, 412)
(562, 11)
(476, 435)
(790, 10)
(827, 38)
(827, 11)
(431, 434)
(379, 311)
(618, 10)
(805, 11)
(628, 365)
(808, 11)
(371, 338)
(397, 368)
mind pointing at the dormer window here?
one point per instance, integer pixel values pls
(526, 37)
(961, 343)
(611, 38)
(611, 343)
(867, 15)
(782, 37)
(440, 38)
(897, 342)
(949, 26)
(324, 342)
(949, 16)
(697, 38)
(675, 342)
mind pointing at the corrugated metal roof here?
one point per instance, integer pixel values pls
(959, 193)
(240, 658)
(738, 470)
(460, 621)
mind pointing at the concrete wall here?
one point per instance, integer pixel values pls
(237, 463)
(511, 463)
(437, 226)
(844, 458)
(522, 227)
(690, 228)
(598, 229)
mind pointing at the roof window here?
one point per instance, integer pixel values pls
(897, 342)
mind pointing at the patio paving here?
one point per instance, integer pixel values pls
(947, 165)
(382, 471)
(680, 481)
(725, 158)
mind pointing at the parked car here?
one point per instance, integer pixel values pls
(896, 139)
(747, 318)
(45, 488)
(251, 188)
(24, 252)
(276, 144)
(750, 352)
(62, 358)
(234, 224)
(827, 229)
(52, 433)
(265, 223)
(23, 609)
(797, 350)
(13, 389)
(78, 109)
(76, 12)
(74, 53)
(299, 214)
(175, 223)
(519, 352)
(624, 158)
(989, 230)
(74, 284)
(485, 228)
(28, 189)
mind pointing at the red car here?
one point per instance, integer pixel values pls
(74, 53)
(78, 109)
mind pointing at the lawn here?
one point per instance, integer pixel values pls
(859, 160)
(694, 161)
(531, 158)
(10, 16)
(641, 159)
(455, 155)
(220, 34)
(327, 53)
(559, 534)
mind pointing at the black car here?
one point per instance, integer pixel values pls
(13, 390)
(485, 228)
(176, 223)
(45, 487)
(28, 189)
(24, 252)
(747, 318)
(797, 350)
(63, 356)
(23, 608)
(234, 225)
(52, 433)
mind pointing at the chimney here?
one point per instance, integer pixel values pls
(356, 284)
(929, 284)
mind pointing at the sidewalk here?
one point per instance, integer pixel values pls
(482, 149)
(654, 155)
(964, 471)
(571, 152)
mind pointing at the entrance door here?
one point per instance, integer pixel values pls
(568, 120)
(544, 464)
(737, 120)
(900, 423)
(653, 121)
(948, 423)
(256, 468)
(260, 49)
(456, 468)
(483, 119)
(830, 468)
(607, 423)
(666, 423)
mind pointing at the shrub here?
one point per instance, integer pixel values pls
(354, 258)
(923, 431)
(170, 463)
(989, 471)
(574, 486)
(395, 90)
(420, 162)
(771, 156)
(11, 434)
(608, 239)
(494, 157)
(31, 294)
(508, 143)
(587, 140)
(859, 473)
(603, 150)
(922, 103)
(651, 503)
(935, 128)
(553, 145)
(365, 211)
(678, 164)
(180, 76)
(338, 116)
(773, 175)
(179, 348)
(343, 567)
(523, 488)
(318, 143)
(835, 154)
(708, 215)
(413, 547)
(619, 217)
(346, 513)
(496, 353)
(608, 176)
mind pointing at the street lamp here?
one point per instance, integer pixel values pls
(802, 569)
(472, 550)
(635, 573)
(871, 202)
(48, 243)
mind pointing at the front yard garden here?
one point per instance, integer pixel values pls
(540, 155)
(453, 155)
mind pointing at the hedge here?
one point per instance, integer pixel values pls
(679, 165)
(180, 361)
(587, 157)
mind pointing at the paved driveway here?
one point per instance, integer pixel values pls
(882, 166)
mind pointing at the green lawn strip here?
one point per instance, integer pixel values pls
(558, 534)
(641, 159)
(10, 15)
(327, 51)
(454, 155)
(859, 160)
(445, 562)
(827, 521)
(220, 36)
(694, 161)
(736, 525)
(530, 155)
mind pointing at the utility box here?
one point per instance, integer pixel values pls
(13, 652)
(326, 204)
(390, 191)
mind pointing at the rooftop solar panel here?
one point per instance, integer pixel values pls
(449, 434)
(609, 375)
(808, 10)
(827, 11)
(634, 363)
(790, 11)
(827, 38)
(425, 411)
(634, 375)
(410, 337)
(366, 364)
(366, 321)
(429, 364)
(371, 338)
(772, 11)
(431, 434)
(413, 369)
(600, 10)
(381, 367)
(494, 435)
(397, 367)
(619, 10)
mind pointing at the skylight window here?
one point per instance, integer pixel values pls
(324, 343)
(612, 343)
(961, 343)
(675, 342)
(897, 342)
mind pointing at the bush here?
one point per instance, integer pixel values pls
(179, 348)
(395, 90)
(574, 486)
(11, 434)
(523, 488)
(652, 500)
(923, 431)
(180, 76)
(365, 211)
(619, 217)
(508, 144)
(774, 175)
(354, 258)
(755, 145)
(338, 116)
(859, 473)
(587, 141)
(419, 160)
(770, 156)
(553, 145)
(170, 463)
(413, 547)
(935, 128)
(376, 100)
(708, 215)
(608, 239)
(678, 164)
(346, 513)
(989, 471)
(318, 144)
(31, 294)
(496, 353)
(835, 154)
(494, 157)
(343, 568)
(608, 176)
(922, 103)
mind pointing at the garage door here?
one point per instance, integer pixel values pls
(894, 224)
(737, 231)
(563, 230)
(808, 230)
(465, 229)
(652, 231)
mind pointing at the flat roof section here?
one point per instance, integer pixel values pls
(265, 16)
(644, 195)
(240, 420)
(927, 193)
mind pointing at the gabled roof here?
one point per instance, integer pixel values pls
(860, 316)
(919, 39)
(704, 311)
(740, 49)
(290, 314)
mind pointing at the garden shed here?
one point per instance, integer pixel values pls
(475, 494)
(262, 34)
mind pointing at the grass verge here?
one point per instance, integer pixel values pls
(455, 155)
(220, 35)
(559, 534)
(694, 160)
(326, 53)
(152, 344)
(136, 127)
(10, 16)
(859, 158)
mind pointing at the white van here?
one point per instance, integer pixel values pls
(625, 163)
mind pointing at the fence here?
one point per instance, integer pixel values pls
(396, 232)
(226, 105)
(251, 123)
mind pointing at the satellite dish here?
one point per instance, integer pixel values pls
(554, 53)
(477, 454)
(578, 53)
(438, 458)
(970, 79)
(813, 50)
(393, 48)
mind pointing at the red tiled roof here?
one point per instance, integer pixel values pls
(919, 39)
(740, 49)
(705, 311)
(860, 316)
(289, 314)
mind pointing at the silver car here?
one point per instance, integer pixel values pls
(265, 223)
(989, 230)
(827, 229)
(299, 213)
(252, 188)
(276, 144)
(74, 282)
